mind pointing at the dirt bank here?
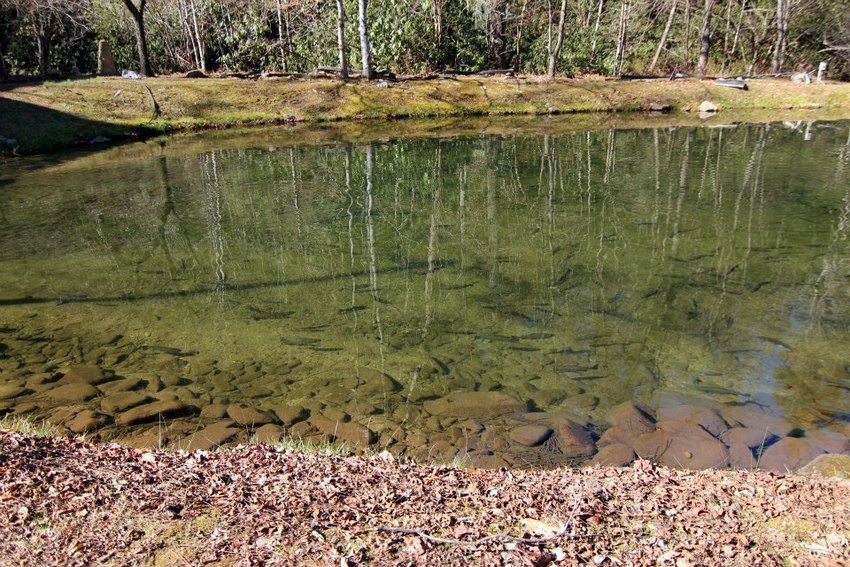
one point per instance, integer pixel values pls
(70, 502)
(47, 116)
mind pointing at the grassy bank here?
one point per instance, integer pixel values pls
(49, 116)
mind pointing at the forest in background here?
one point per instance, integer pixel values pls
(58, 38)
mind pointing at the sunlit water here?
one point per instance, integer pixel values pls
(706, 267)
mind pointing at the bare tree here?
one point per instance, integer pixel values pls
(596, 28)
(662, 43)
(365, 49)
(705, 37)
(622, 36)
(49, 21)
(496, 33)
(782, 9)
(138, 15)
(559, 44)
(199, 37)
(340, 39)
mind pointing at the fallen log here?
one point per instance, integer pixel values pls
(734, 83)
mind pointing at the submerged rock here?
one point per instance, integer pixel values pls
(289, 414)
(214, 411)
(788, 454)
(369, 382)
(121, 385)
(153, 411)
(269, 433)
(707, 418)
(682, 444)
(87, 421)
(475, 405)
(122, 401)
(351, 433)
(629, 417)
(748, 436)
(210, 437)
(530, 435)
(573, 439)
(80, 392)
(614, 455)
(9, 391)
(248, 416)
(83, 374)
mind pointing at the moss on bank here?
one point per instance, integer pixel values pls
(54, 115)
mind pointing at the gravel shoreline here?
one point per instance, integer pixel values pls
(67, 501)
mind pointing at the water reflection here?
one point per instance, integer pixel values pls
(568, 273)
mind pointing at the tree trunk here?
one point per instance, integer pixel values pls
(280, 42)
(559, 43)
(497, 34)
(596, 29)
(687, 31)
(365, 49)
(521, 25)
(621, 38)
(4, 71)
(199, 38)
(726, 37)
(705, 38)
(663, 42)
(738, 30)
(340, 39)
(781, 35)
(43, 44)
(138, 15)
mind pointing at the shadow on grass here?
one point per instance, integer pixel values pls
(40, 129)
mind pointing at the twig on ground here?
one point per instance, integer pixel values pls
(503, 537)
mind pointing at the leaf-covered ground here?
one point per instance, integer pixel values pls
(71, 502)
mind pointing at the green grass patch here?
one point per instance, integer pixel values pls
(53, 115)
(29, 426)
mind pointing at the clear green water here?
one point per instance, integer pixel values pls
(573, 273)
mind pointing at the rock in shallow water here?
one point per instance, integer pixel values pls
(289, 414)
(682, 444)
(248, 416)
(788, 454)
(630, 418)
(615, 455)
(210, 437)
(475, 405)
(80, 392)
(123, 401)
(9, 391)
(83, 374)
(87, 421)
(351, 433)
(573, 439)
(152, 412)
(709, 419)
(530, 435)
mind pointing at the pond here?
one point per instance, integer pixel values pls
(672, 293)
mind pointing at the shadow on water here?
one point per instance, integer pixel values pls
(412, 267)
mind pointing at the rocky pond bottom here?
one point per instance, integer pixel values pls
(674, 294)
(191, 406)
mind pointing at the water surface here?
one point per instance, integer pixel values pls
(670, 267)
